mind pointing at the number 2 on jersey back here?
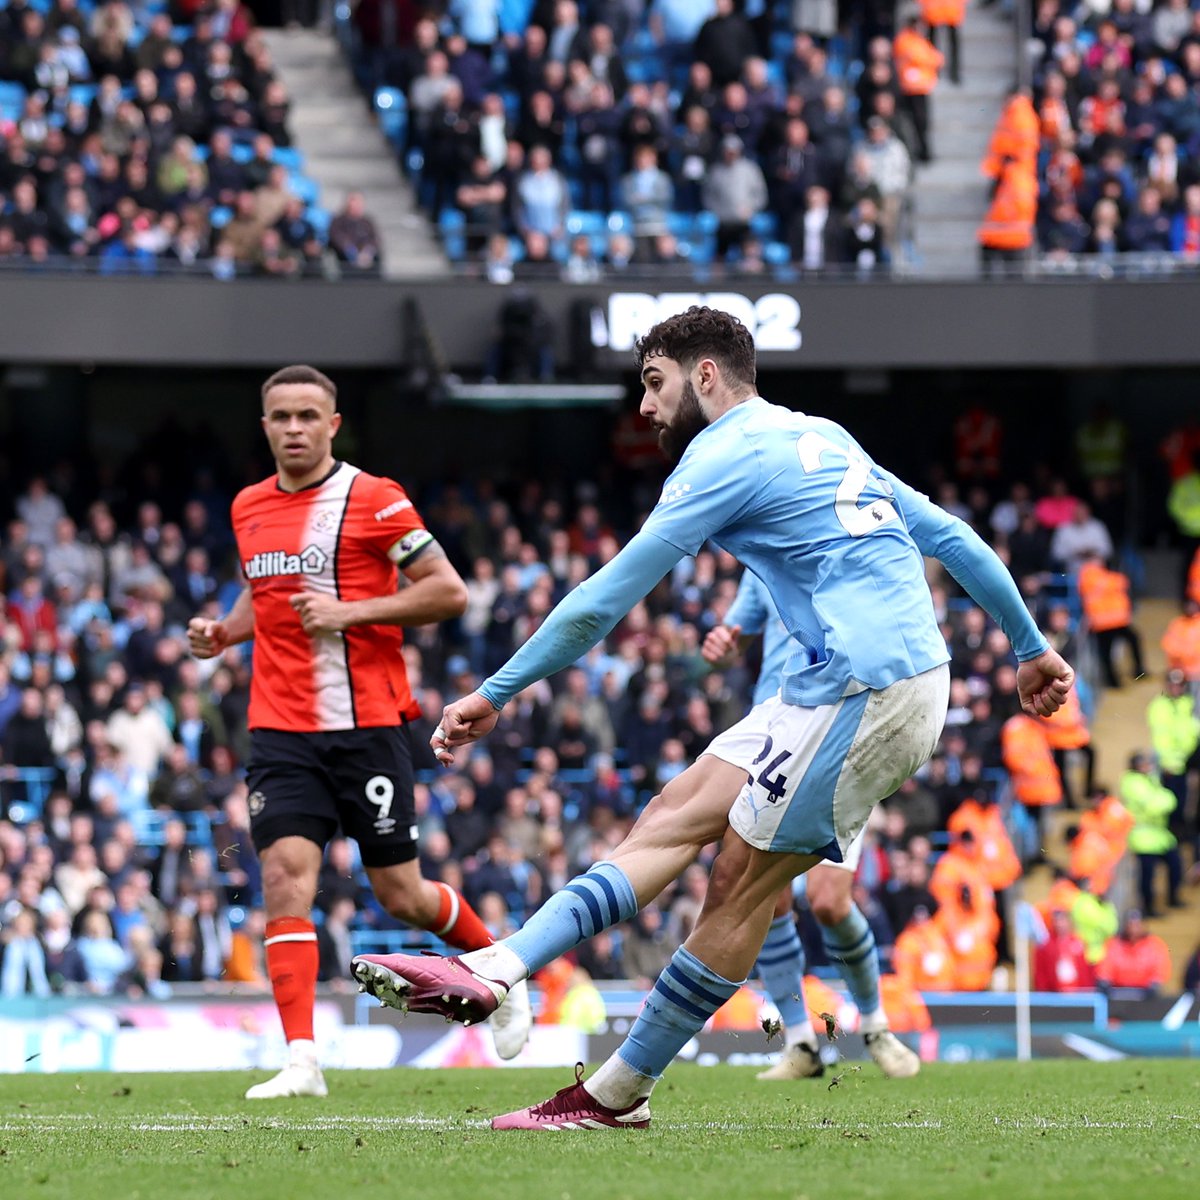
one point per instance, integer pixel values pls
(854, 520)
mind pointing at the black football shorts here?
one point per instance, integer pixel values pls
(310, 784)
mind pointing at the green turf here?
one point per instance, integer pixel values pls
(1060, 1130)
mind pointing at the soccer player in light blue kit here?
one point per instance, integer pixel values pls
(845, 931)
(838, 541)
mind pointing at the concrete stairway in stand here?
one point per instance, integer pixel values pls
(950, 194)
(345, 150)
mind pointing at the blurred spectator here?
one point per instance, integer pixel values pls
(734, 191)
(1080, 538)
(1175, 737)
(1104, 594)
(1136, 958)
(890, 171)
(647, 192)
(1151, 805)
(1030, 763)
(354, 238)
(100, 955)
(1060, 962)
(1180, 643)
(138, 731)
(918, 62)
(922, 957)
(22, 958)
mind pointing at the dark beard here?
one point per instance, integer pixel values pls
(689, 420)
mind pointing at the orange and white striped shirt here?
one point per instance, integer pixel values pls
(344, 536)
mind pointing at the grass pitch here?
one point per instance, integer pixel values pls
(1060, 1130)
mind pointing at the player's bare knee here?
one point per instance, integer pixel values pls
(831, 912)
(284, 879)
(403, 904)
(829, 899)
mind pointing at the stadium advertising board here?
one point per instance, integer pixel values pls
(911, 323)
(773, 318)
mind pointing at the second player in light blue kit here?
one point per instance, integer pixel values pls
(838, 542)
(844, 930)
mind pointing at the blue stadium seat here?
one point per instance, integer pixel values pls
(241, 152)
(584, 221)
(288, 156)
(763, 225)
(319, 219)
(303, 187)
(220, 216)
(391, 109)
(388, 99)
(82, 93)
(149, 827)
(12, 99)
(682, 225)
(620, 222)
(452, 225)
(777, 254)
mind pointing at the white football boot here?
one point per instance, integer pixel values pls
(512, 1021)
(891, 1055)
(798, 1061)
(301, 1077)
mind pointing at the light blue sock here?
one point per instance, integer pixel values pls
(596, 900)
(852, 944)
(685, 995)
(780, 966)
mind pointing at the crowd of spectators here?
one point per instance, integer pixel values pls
(138, 139)
(134, 869)
(1119, 121)
(583, 136)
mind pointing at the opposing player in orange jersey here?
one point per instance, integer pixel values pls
(321, 544)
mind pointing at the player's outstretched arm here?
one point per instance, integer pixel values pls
(208, 639)
(573, 627)
(978, 568)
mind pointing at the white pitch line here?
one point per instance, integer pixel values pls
(65, 1122)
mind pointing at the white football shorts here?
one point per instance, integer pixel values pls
(815, 774)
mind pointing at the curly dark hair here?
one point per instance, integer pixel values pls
(702, 333)
(299, 373)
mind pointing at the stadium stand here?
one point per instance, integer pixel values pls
(688, 139)
(125, 859)
(132, 141)
(1118, 118)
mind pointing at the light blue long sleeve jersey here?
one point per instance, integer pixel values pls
(837, 540)
(754, 612)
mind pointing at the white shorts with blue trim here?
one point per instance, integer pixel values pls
(815, 774)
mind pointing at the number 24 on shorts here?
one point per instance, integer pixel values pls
(776, 787)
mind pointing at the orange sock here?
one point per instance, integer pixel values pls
(457, 922)
(292, 958)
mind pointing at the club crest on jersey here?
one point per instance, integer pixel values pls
(310, 561)
(325, 521)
